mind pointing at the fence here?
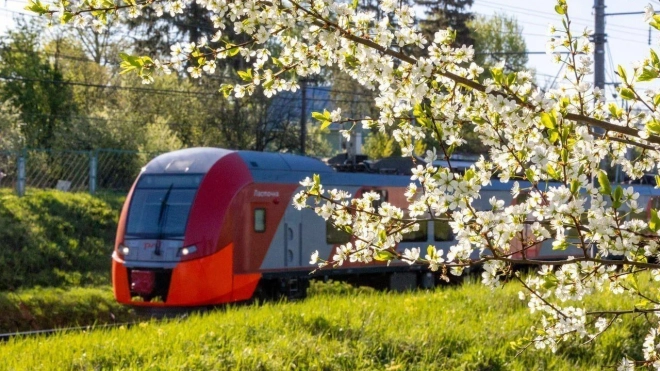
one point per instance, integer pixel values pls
(78, 171)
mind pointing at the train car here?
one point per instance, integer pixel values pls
(207, 226)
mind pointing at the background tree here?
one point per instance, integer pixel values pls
(34, 85)
(496, 39)
(443, 14)
(11, 136)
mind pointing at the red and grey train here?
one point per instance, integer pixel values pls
(207, 226)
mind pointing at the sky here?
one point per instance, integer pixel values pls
(627, 35)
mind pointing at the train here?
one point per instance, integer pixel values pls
(210, 226)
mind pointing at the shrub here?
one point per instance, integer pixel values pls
(52, 238)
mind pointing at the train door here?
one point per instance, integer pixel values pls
(292, 238)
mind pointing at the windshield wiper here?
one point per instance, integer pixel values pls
(161, 214)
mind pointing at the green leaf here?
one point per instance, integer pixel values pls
(655, 61)
(478, 120)
(529, 174)
(615, 110)
(496, 73)
(246, 75)
(604, 181)
(318, 115)
(552, 172)
(37, 7)
(418, 110)
(632, 280)
(653, 126)
(575, 186)
(226, 89)
(66, 17)
(564, 155)
(655, 24)
(654, 223)
(553, 136)
(430, 250)
(383, 256)
(469, 174)
(424, 122)
(511, 78)
(656, 100)
(549, 281)
(616, 197)
(648, 75)
(324, 118)
(355, 4)
(626, 93)
(233, 51)
(621, 72)
(562, 246)
(549, 120)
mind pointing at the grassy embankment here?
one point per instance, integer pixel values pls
(55, 260)
(466, 327)
(56, 239)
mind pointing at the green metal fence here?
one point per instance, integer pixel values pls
(68, 170)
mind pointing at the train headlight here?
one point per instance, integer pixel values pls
(187, 250)
(124, 250)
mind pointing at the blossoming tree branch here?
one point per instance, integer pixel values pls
(548, 145)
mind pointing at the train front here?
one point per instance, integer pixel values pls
(174, 245)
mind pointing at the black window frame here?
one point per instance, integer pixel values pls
(335, 235)
(141, 186)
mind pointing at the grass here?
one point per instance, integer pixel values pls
(57, 239)
(466, 327)
(48, 308)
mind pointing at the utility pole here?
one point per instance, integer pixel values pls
(599, 42)
(303, 115)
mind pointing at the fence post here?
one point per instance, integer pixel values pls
(93, 166)
(20, 184)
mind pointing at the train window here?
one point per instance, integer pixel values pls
(161, 204)
(442, 231)
(334, 235)
(260, 220)
(419, 235)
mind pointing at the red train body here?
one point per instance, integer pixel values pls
(207, 226)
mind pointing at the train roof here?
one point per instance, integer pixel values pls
(263, 166)
(271, 167)
(189, 160)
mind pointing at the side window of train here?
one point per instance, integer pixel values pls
(334, 235)
(260, 220)
(442, 231)
(419, 235)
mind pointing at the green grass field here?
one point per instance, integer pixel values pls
(467, 327)
(48, 308)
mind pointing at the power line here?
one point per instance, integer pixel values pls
(548, 15)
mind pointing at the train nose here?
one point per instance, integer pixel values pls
(143, 282)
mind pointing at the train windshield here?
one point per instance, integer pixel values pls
(161, 204)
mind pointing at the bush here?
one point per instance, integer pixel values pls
(52, 238)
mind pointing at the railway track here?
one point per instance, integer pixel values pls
(143, 314)
(25, 334)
